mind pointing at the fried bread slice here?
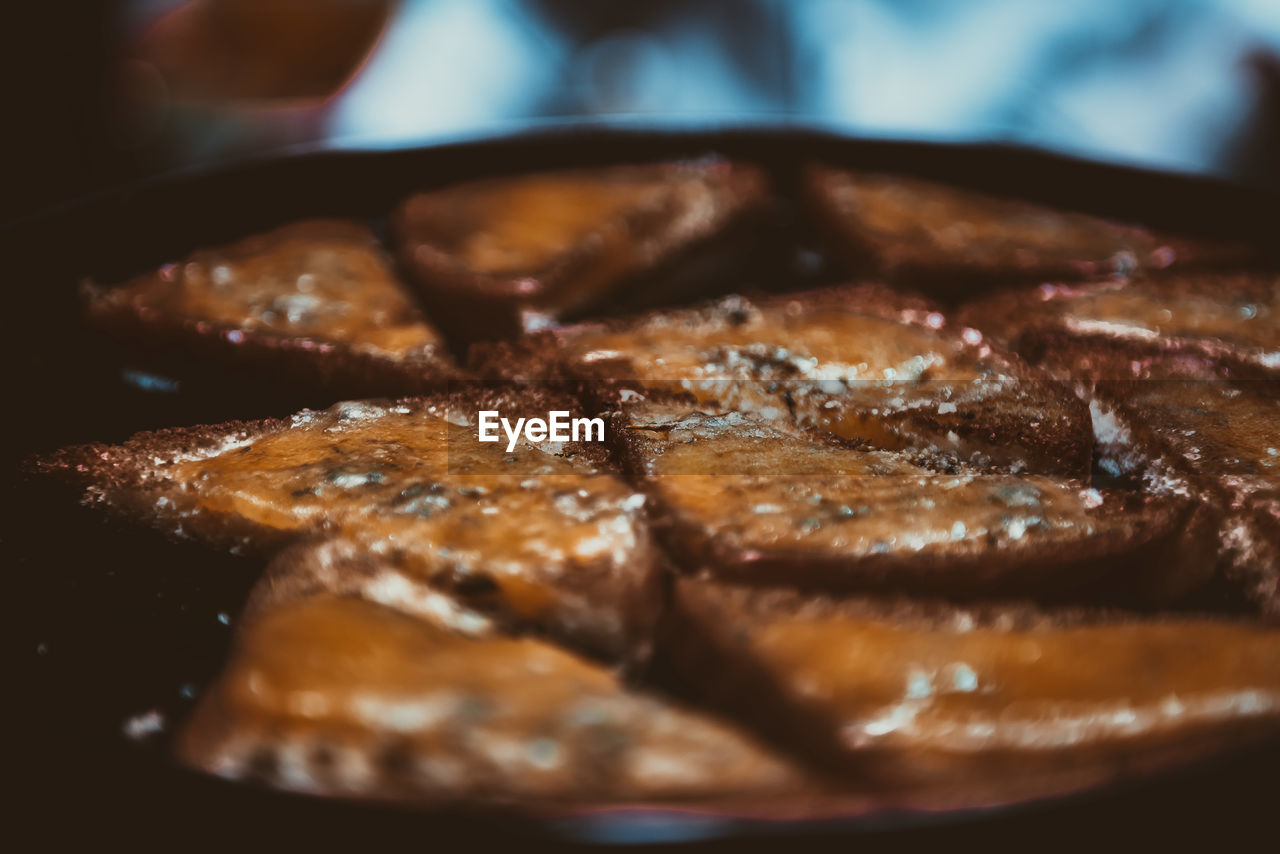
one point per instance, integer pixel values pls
(544, 537)
(315, 301)
(764, 503)
(497, 256)
(1185, 424)
(334, 695)
(862, 362)
(950, 240)
(1232, 318)
(1006, 702)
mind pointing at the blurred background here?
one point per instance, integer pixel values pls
(103, 93)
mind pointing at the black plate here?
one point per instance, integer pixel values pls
(112, 624)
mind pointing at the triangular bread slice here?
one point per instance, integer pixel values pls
(1183, 424)
(543, 537)
(1233, 318)
(1001, 703)
(315, 301)
(336, 694)
(497, 256)
(862, 362)
(952, 240)
(764, 503)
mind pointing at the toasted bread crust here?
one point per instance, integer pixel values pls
(147, 317)
(1007, 414)
(335, 368)
(1123, 547)
(1230, 318)
(1209, 345)
(567, 549)
(1184, 424)
(118, 480)
(662, 249)
(1004, 729)
(865, 219)
(343, 694)
(405, 584)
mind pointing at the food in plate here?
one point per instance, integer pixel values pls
(836, 547)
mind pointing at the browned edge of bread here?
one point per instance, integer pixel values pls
(485, 307)
(1131, 447)
(705, 650)
(192, 347)
(866, 253)
(1165, 556)
(204, 348)
(1015, 318)
(118, 477)
(541, 356)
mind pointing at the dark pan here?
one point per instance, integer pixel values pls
(111, 624)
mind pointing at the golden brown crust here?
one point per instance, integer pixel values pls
(1009, 702)
(1231, 318)
(672, 228)
(345, 696)
(766, 504)
(954, 241)
(413, 573)
(342, 567)
(542, 538)
(1181, 423)
(861, 361)
(315, 301)
(117, 479)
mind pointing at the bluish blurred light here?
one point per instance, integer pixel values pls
(447, 67)
(1164, 83)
